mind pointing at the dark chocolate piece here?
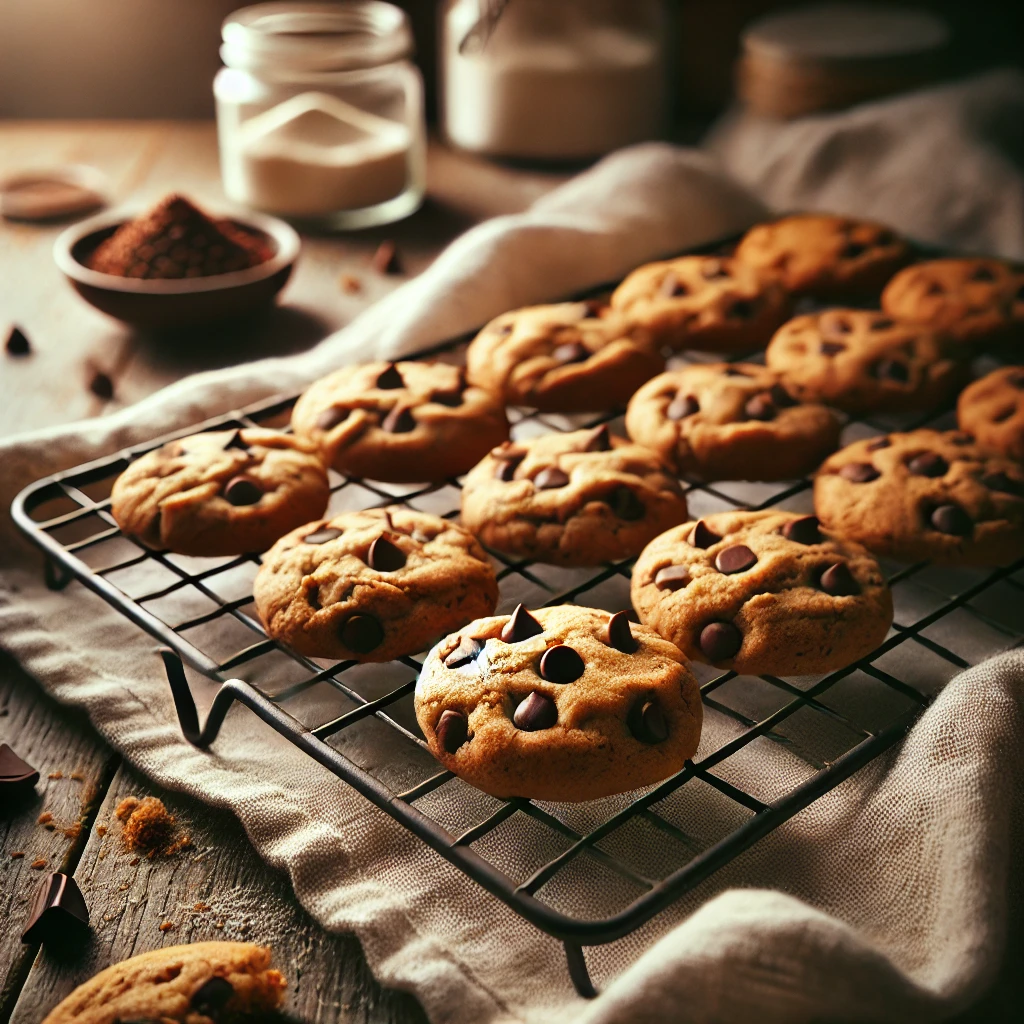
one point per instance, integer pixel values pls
(879, 443)
(647, 722)
(682, 406)
(832, 348)
(58, 911)
(452, 730)
(599, 440)
(952, 520)
(891, 369)
(561, 664)
(838, 581)
(330, 418)
(323, 535)
(16, 775)
(399, 421)
(549, 478)
(738, 558)
(671, 286)
(236, 441)
(859, 472)
(619, 634)
(720, 641)
(928, 464)
(466, 652)
(385, 556)
(672, 577)
(626, 505)
(390, 378)
(702, 537)
(781, 397)
(239, 490)
(535, 713)
(805, 530)
(520, 626)
(17, 343)
(212, 996)
(361, 633)
(101, 386)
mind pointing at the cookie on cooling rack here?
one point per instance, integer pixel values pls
(202, 983)
(400, 422)
(711, 303)
(373, 585)
(763, 593)
(992, 409)
(862, 361)
(564, 703)
(823, 255)
(578, 498)
(225, 492)
(925, 495)
(730, 421)
(570, 357)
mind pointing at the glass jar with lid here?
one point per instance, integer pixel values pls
(320, 112)
(552, 79)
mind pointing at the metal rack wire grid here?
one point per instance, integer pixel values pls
(589, 873)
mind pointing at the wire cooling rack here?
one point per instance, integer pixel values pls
(588, 873)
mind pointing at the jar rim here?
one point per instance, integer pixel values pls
(312, 36)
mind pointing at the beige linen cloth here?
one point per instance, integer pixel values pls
(887, 899)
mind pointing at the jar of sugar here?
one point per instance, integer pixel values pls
(320, 112)
(547, 80)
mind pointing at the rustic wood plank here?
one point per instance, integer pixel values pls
(216, 889)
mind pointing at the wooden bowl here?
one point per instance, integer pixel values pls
(162, 304)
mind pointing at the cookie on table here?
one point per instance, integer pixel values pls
(570, 357)
(824, 255)
(979, 301)
(373, 585)
(578, 498)
(225, 492)
(862, 361)
(730, 421)
(763, 593)
(566, 703)
(925, 495)
(992, 409)
(711, 303)
(400, 422)
(202, 983)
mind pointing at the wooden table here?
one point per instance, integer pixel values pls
(219, 888)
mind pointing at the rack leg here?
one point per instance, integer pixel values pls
(578, 970)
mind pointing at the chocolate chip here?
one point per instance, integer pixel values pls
(682, 406)
(853, 250)
(881, 324)
(928, 464)
(506, 468)
(961, 439)
(385, 556)
(570, 352)
(236, 441)
(647, 722)
(313, 598)
(935, 288)
(720, 641)
(891, 369)
(561, 664)
(626, 505)
(805, 530)
(536, 712)
(712, 269)
(452, 730)
(212, 996)
(953, 520)
(838, 581)
(619, 634)
(16, 775)
(520, 626)
(451, 398)
(1001, 482)
(702, 537)
(239, 490)
(102, 386)
(760, 407)
(549, 478)
(859, 472)
(592, 309)
(1004, 414)
(17, 343)
(466, 652)
(600, 440)
(58, 911)
(390, 378)
(671, 286)
(323, 535)
(732, 371)
(361, 633)
(832, 348)
(879, 443)
(835, 323)
(738, 558)
(504, 330)
(672, 577)
(982, 274)
(330, 418)
(399, 421)
(781, 397)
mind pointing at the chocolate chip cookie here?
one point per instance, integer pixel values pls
(579, 498)
(976, 301)
(823, 255)
(863, 361)
(763, 593)
(565, 703)
(197, 984)
(570, 357)
(221, 493)
(992, 409)
(711, 303)
(373, 585)
(730, 421)
(923, 495)
(401, 422)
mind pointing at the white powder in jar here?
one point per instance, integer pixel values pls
(315, 154)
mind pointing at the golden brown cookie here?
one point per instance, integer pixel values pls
(824, 255)
(980, 301)
(565, 703)
(373, 585)
(579, 498)
(925, 495)
(992, 409)
(862, 360)
(570, 357)
(711, 303)
(730, 421)
(402, 422)
(220, 493)
(763, 593)
(203, 983)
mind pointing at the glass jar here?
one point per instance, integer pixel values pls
(320, 112)
(545, 80)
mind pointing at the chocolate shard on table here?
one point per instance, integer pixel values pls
(16, 776)
(59, 913)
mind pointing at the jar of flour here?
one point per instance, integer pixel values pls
(552, 79)
(320, 112)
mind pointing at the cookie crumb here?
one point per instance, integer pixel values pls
(167, 926)
(72, 831)
(386, 259)
(218, 924)
(45, 818)
(201, 907)
(17, 854)
(77, 776)
(101, 830)
(55, 775)
(38, 865)
(350, 284)
(149, 828)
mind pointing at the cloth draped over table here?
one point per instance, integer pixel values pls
(887, 899)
